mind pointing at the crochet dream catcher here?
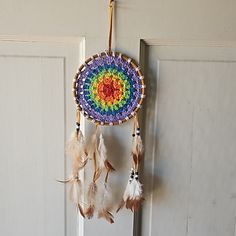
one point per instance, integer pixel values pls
(108, 90)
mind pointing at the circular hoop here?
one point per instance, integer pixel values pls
(109, 88)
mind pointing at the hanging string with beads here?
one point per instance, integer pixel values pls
(132, 197)
(76, 151)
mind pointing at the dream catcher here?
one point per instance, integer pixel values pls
(108, 90)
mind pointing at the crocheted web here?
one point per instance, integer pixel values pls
(109, 89)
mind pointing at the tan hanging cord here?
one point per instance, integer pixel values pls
(136, 124)
(110, 24)
(78, 116)
(95, 176)
(136, 131)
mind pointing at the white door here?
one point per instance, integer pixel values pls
(35, 105)
(190, 136)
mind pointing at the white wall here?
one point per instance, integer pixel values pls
(135, 19)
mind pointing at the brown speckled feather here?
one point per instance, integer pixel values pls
(90, 211)
(121, 205)
(105, 214)
(109, 166)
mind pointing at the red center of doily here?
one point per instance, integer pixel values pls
(109, 89)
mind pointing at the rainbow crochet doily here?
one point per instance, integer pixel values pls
(109, 88)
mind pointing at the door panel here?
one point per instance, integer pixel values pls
(33, 90)
(193, 132)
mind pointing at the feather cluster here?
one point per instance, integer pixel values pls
(103, 162)
(98, 153)
(75, 149)
(98, 196)
(104, 165)
(132, 197)
(91, 200)
(92, 189)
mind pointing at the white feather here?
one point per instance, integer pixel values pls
(102, 153)
(137, 189)
(76, 147)
(92, 147)
(104, 196)
(133, 190)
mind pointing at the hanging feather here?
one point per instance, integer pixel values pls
(137, 148)
(92, 146)
(93, 154)
(137, 143)
(75, 192)
(132, 197)
(91, 200)
(104, 203)
(107, 215)
(76, 145)
(75, 149)
(103, 163)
